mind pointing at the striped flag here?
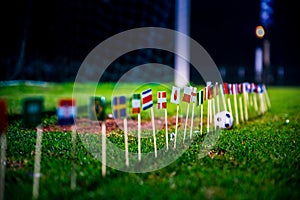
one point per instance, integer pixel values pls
(187, 94)
(194, 94)
(66, 112)
(119, 107)
(3, 117)
(175, 96)
(147, 99)
(200, 97)
(161, 100)
(136, 103)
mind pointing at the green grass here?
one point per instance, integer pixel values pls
(256, 160)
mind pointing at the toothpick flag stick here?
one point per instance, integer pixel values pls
(3, 128)
(245, 93)
(267, 96)
(139, 137)
(162, 104)
(37, 162)
(154, 136)
(235, 102)
(3, 161)
(241, 108)
(223, 96)
(208, 108)
(176, 127)
(214, 111)
(103, 134)
(175, 98)
(136, 108)
(126, 142)
(166, 122)
(218, 97)
(193, 98)
(119, 109)
(73, 172)
(200, 102)
(229, 105)
(148, 103)
(186, 98)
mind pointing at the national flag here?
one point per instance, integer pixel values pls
(136, 103)
(3, 117)
(259, 89)
(200, 97)
(204, 94)
(246, 87)
(119, 107)
(238, 88)
(232, 88)
(97, 108)
(210, 91)
(226, 89)
(187, 94)
(252, 87)
(66, 112)
(147, 99)
(161, 100)
(32, 111)
(194, 94)
(175, 96)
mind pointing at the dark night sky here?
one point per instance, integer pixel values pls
(71, 28)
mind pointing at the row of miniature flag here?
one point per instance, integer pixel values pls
(66, 111)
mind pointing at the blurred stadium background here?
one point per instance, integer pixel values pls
(48, 40)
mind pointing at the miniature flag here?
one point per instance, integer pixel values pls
(147, 99)
(3, 118)
(161, 100)
(226, 89)
(204, 94)
(194, 94)
(246, 87)
(119, 107)
(210, 91)
(97, 108)
(66, 112)
(259, 88)
(200, 97)
(136, 103)
(175, 97)
(187, 94)
(252, 87)
(32, 111)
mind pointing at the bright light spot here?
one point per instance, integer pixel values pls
(287, 121)
(260, 31)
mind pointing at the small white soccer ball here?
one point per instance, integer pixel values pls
(224, 119)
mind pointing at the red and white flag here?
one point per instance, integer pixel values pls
(161, 100)
(175, 97)
(194, 94)
(187, 94)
